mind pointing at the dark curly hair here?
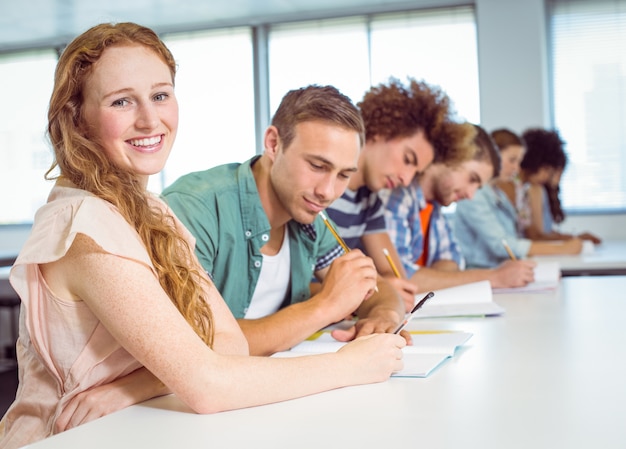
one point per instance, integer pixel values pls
(543, 148)
(554, 201)
(397, 110)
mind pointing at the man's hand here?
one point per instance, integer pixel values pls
(405, 288)
(350, 280)
(368, 327)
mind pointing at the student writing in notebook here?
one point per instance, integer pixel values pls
(540, 174)
(481, 225)
(407, 126)
(422, 234)
(116, 308)
(261, 219)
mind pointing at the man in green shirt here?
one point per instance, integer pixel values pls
(259, 234)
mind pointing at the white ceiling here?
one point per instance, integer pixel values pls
(37, 23)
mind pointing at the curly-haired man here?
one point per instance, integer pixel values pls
(407, 127)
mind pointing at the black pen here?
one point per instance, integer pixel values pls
(409, 315)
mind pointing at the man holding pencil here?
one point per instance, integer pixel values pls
(422, 235)
(407, 126)
(259, 232)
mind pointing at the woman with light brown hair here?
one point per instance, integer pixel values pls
(488, 227)
(115, 306)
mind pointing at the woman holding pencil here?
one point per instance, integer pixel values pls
(116, 308)
(487, 227)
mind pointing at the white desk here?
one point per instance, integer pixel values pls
(550, 373)
(608, 258)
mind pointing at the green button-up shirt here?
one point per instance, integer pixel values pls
(221, 207)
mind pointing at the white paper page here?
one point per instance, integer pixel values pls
(415, 365)
(452, 310)
(420, 359)
(420, 365)
(472, 293)
(473, 299)
(426, 343)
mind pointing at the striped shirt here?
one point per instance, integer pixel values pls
(357, 214)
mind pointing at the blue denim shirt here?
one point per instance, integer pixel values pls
(481, 224)
(222, 209)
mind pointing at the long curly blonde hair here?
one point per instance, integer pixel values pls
(81, 160)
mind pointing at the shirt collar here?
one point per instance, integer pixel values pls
(253, 216)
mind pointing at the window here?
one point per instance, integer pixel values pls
(24, 150)
(320, 52)
(438, 46)
(589, 95)
(215, 87)
(215, 92)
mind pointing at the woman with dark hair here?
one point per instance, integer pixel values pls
(541, 171)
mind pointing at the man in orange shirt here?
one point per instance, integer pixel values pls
(428, 251)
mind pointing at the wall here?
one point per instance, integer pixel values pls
(513, 65)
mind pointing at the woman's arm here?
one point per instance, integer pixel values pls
(566, 247)
(536, 229)
(99, 401)
(129, 301)
(142, 385)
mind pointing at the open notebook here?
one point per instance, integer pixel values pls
(473, 299)
(547, 277)
(429, 350)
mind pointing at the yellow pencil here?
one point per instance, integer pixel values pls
(508, 250)
(391, 264)
(338, 238)
(334, 233)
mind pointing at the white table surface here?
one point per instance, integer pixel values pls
(607, 258)
(550, 373)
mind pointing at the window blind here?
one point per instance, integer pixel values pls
(588, 54)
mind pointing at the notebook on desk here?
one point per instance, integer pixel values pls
(429, 350)
(473, 299)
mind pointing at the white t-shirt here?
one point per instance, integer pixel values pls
(273, 283)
